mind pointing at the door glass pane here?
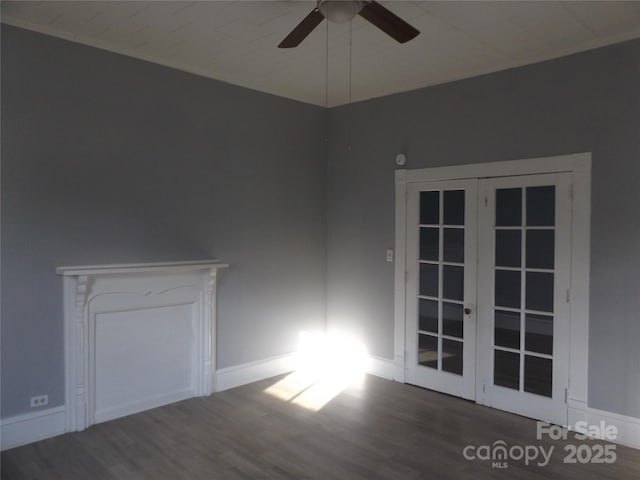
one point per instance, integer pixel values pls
(429, 279)
(428, 350)
(452, 282)
(452, 319)
(429, 208)
(429, 243)
(507, 288)
(508, 248)
(428, 316)
(538, 374)
(540, 248)
(507, 329)
(452, 356)
(508, 207)
(539, 291)
(539, 333)
(506, 369)
(541, 206)
(453, 248)
(453, 207)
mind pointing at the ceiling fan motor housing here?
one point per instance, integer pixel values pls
(340, 11)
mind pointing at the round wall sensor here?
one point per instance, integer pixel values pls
(401, 159)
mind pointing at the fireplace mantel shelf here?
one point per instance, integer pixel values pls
(183, 266)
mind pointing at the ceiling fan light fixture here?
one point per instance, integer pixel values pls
(340, 11)
(343, 11)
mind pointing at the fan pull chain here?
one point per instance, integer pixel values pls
(326, 84)
(350, 74)
(326, 70)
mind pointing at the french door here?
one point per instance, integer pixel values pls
(523, 365)
(441, 276)
(488, 274)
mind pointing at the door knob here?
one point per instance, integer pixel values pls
(467, 311)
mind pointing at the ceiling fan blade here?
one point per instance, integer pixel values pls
(304, 28)
(388, 22)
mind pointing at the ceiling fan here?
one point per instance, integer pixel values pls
(341, 11)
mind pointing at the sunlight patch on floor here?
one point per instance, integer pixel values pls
(327, 365)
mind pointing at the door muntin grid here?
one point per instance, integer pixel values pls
(440, 335)
(524, 275)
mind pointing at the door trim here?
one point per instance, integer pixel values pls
(579, 165)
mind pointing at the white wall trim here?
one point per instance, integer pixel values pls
(31, 427)
(628, 427)
(243, 374)
(134, 407)
(400, 275)
(580, 283)
(579, 165)
(381, 367)
(238, 375)
(575, 162)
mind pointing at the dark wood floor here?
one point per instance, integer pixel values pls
(378, 430)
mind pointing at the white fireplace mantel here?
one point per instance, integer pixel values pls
(137, 336)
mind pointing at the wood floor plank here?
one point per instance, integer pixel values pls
(374, 430)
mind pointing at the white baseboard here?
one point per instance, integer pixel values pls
(31, 427)
(628, 427)
(381, 367)
(142, 405)
(245, 373)
(250, 372)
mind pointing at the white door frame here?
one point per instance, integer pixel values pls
(579, 165)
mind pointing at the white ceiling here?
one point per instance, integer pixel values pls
(236, 41)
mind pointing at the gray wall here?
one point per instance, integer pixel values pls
(585, 102)
(110, 159)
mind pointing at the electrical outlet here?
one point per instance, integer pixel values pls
(39, 401)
